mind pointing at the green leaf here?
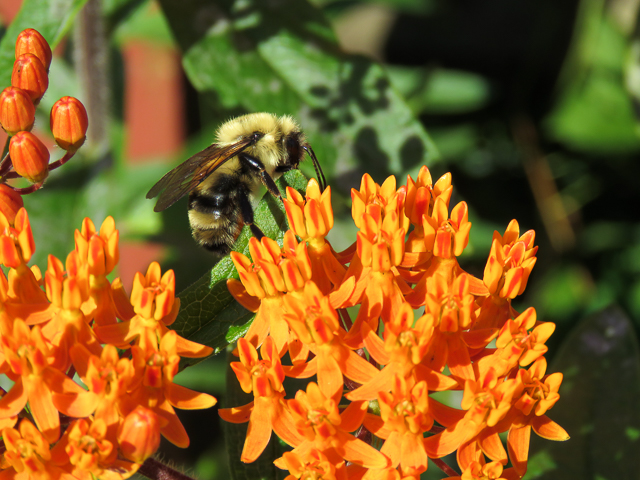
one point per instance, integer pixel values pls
(283, 58)
(598, 403)
(208, 313)
(52, 19)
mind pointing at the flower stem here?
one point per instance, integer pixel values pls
(155, 470)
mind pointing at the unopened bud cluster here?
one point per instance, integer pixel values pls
(28, 155)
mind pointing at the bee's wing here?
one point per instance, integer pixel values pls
(189, 174)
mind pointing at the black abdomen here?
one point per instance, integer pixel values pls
(214, 215)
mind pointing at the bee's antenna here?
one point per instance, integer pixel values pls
(317, 167)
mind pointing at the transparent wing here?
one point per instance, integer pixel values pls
(189, 174)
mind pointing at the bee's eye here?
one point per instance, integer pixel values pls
(255, 136)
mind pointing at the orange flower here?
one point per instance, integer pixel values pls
(266, 413)
(311, 218)
(87, 447)
(28, 456)
(139, 435)
(68, 325)
(273, 272)
(311, 464)
(17, 112)
(371, 278)
(510, 262)
(325, 429)
(519, 342)
(31, 41)
(107, 377)
(30, 157)
(421, 196)
(155, 307)
(402, 352)
(69, 123)
(539, 394)
(30, 74)
(28, 354)
(99, 250)
(316, 324)
(404, 418)
(156, 368)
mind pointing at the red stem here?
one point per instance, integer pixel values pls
(445, 467)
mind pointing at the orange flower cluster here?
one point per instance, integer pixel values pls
(28, 156)
(375, 372)
(72, 320)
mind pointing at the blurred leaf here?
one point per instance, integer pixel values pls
(52, 19)
(144, 21)
(88, 191)
(208, 313)
(598, 403)
(283, 58)
(565, 292)
(439, 90)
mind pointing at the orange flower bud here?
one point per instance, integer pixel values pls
(30, 75)
(139, 435)
(10, 202)
(29, 156)
(69, 123)
(17, 112)
(31, 41)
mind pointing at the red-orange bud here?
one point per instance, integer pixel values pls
(31, 41)
(17, 112)
(10, 202)
(139, 435)
(30, 75)
(69, 123)
(29, 156)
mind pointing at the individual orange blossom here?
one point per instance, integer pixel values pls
(10, 202)
(510, 262)
(317, 418)
(267, 412)
(371, 278)
(28, 354)
(486, 402)
(404, 418)
(139, 435)
(16, 240)
(273, 272)
(28, 456)
(489, 471)
(317, 325)
(30, 157)
(17, 112)
(91, 453)
(69, 123)
(99, 249)
(310, 465)
(107, 378)
(30, 74)
(451, 308)
(311, 217)
(539, 395)
(31, 41)
(420, 200)
(67, 290)
(402, 353)
(521, 342)
(156, 367)
(155, 307)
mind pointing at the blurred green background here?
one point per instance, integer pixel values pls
(531, 105)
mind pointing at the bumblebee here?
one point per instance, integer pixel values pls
(222, 180)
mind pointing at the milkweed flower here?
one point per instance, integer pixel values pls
(53, 427)
(423, 324)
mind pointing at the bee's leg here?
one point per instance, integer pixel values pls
(247, 215)
(257, 166)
